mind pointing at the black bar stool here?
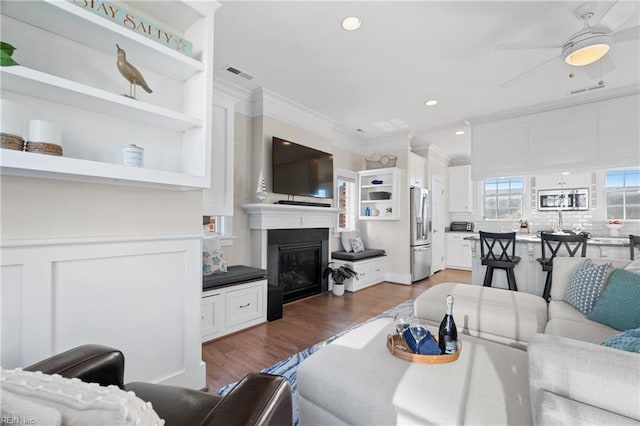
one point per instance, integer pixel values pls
(553, 243)
(634, 241)
(498, 251)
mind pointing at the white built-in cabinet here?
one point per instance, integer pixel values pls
(68, 76)
(458, 250)
(218, 200)
(229, 309)
(601, 134)
(417, 170)
(460, 189)
(370, 272)
(379, 209)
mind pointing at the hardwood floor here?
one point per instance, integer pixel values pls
(304, 323)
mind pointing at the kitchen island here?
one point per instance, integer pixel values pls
(529, 275)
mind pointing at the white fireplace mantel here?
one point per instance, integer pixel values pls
(282, 216)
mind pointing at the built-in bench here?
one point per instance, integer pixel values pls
(233, 301)
(368, 264)
(235, 275)
(354, 257)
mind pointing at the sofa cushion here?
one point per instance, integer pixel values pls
(235, 274)
(627, 341)
(491, 313)
(585, 285)
(15, 409)
(78, 402)
(579, 329)
(619, 305)
(634, 266)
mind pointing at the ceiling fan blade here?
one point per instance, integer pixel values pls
(627, 34)
(528, 45)
(621, 13)
(598, 69)
(522, 74)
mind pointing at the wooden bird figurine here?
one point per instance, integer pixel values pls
(131, 73)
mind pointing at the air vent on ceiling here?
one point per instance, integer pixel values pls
(600, 85)
(238, 72)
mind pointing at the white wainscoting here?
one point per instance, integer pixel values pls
(139, 295)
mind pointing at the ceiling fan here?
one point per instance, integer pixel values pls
(589, 45)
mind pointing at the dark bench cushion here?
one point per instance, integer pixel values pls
(234, 275)
(350, 256)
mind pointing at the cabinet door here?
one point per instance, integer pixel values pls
(212, 315)
(244, 305)
(218, 199)
(416, 170)
(460, 189)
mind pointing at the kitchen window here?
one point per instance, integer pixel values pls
(503, 198)
(346, 200)
(623, 194)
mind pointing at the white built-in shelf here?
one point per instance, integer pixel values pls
(391, 183)
(31, 164)
(382, 185)
(34, 83)
(75, 23)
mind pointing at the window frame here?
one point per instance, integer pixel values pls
(624, 190)
(509, 179)
(352, 207)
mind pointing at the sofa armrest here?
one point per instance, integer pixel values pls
(258, 399)
(598, 376)
(89, 363)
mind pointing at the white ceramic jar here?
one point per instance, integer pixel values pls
(133, 156)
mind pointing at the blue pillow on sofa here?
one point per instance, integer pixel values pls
(619, 305)
(585, 285)
(627, 341)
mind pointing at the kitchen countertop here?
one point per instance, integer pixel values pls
(596, 241)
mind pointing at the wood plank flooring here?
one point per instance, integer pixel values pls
(304, 323)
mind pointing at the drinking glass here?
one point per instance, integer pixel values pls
(576, 228)
(418, 329)
(402, 322)
(515, 227)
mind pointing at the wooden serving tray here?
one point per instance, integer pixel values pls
(407, 355)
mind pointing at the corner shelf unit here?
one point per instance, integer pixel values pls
(388, 209)
(68, 76)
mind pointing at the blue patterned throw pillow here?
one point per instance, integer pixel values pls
(585, 285)
(626, 341)
(619, 305)
(213, 262)
(357, 245)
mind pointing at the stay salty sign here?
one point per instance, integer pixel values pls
(135, 23)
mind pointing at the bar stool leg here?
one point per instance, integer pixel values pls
(511, 279)
(547, 287)
(488, 276)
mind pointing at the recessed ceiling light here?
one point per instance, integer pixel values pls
(459, 132)
(351, 23)
(431, 102)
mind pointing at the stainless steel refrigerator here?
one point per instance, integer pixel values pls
(420, 233)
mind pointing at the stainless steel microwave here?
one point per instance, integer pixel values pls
(563, 199)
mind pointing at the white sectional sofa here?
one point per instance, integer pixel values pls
(521, 362)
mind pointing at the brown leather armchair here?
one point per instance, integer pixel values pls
(258, 399)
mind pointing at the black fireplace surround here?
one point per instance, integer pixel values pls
(295, 258)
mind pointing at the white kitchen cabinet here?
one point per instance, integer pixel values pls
(82, 92)
(458, 250)
(460, 189)
(619, 132)
(417, 170)
(229, 309)
(379, 209)
(370, 272)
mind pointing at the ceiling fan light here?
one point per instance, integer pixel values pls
(586, 52)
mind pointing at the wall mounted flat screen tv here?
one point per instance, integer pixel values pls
(300, 170)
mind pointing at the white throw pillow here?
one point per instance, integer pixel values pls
(78, 402)
(346, 237)
(357, 244)
(17, 410)
(634, 266)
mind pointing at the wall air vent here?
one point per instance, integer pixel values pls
(238, 72)
(588, 89)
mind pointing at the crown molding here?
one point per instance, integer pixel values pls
(397, 142)
(559, 104)
(271, 104)
(231, 92)
(342, 139)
